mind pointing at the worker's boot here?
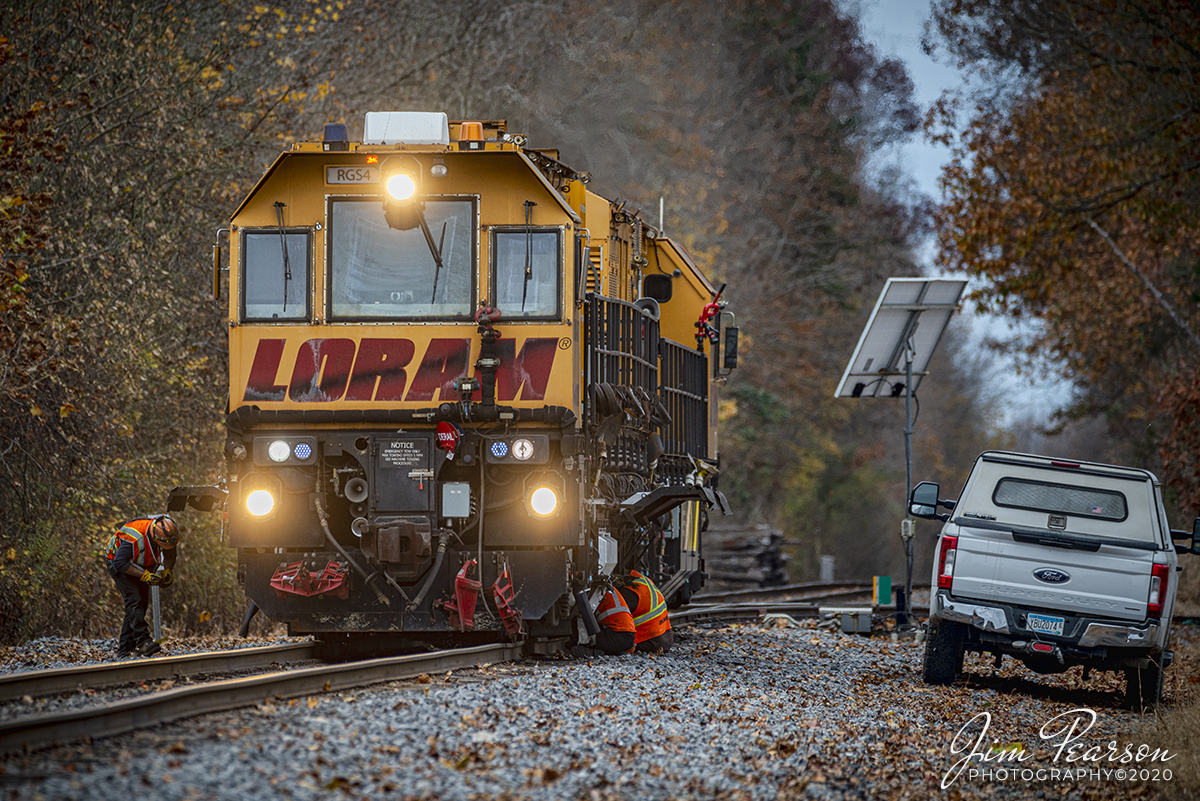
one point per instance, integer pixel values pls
(148, 648)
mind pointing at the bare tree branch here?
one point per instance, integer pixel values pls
(1158, 296)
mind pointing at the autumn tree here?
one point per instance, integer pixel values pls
(754, 121)
(125, 128)
(1074, 192)
(130, 130)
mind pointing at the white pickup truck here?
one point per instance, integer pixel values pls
(1057, 563)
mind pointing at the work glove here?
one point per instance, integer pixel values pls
(153, 579)
(166, 577)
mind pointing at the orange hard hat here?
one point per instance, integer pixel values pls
(164, 532)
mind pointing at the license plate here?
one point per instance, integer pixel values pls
(1044, 624)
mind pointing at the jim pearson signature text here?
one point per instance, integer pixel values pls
(1063, 733)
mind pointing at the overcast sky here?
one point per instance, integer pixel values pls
(895, 27)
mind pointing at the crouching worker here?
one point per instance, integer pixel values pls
(141, 554)
(633, 615)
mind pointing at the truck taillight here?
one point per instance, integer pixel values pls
(1158, 589)
(945, 574)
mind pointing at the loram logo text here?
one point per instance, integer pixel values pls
(328, 370)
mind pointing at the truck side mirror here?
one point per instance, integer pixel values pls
(923, 501)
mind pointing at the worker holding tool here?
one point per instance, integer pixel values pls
(140, 555)
(633, 616)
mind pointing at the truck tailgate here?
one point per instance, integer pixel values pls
(1107, 580)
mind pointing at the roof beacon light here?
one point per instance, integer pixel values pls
(470, 136)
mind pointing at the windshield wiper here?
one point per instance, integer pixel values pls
(434, 250)
(287, 267)
(529, 204)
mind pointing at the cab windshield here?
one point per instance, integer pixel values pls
(377, 271)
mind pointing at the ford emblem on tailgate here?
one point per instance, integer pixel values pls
(1051, 575)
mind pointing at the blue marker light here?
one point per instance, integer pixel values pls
(499, 449)
(303, 450)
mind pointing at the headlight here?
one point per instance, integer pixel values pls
(543, 501)
(260, 503)
(401, 186)
(279, 451)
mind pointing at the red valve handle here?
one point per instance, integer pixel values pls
(491, 313)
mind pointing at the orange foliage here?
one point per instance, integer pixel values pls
(1103, 133)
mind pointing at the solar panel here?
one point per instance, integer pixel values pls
(908, 308)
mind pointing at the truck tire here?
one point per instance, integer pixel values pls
(1144, 687)
(944, 647)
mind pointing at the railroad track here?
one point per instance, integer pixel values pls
(154, 708)
(34, 732)
(813, 589)
(37, 683)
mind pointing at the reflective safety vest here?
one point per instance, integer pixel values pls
(146, 554)
(612, 613)
(650, 615)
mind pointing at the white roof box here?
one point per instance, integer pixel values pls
(406, 128)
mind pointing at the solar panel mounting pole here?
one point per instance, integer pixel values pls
(892, 333)
(906, 526)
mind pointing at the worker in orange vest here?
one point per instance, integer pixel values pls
(140, 555)
(633, 616)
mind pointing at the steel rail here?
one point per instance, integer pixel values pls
(816, 587)
(163, 707)
(696, 614)
(37, 683)
(823, 599)
(752, 611)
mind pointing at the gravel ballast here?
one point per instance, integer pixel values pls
(741, 712)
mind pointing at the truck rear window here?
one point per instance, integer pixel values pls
(1041, 496)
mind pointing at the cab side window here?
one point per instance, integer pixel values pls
(527, 273)
(275, 274)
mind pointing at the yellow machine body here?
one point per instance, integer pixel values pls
(434, 338)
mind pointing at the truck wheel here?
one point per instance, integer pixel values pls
(944, 647)
(1143, 687)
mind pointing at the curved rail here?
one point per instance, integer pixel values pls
(162, 707)
(111, 674)
(808, 588)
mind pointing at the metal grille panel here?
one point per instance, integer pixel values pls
(621, 345)
(683, 388)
